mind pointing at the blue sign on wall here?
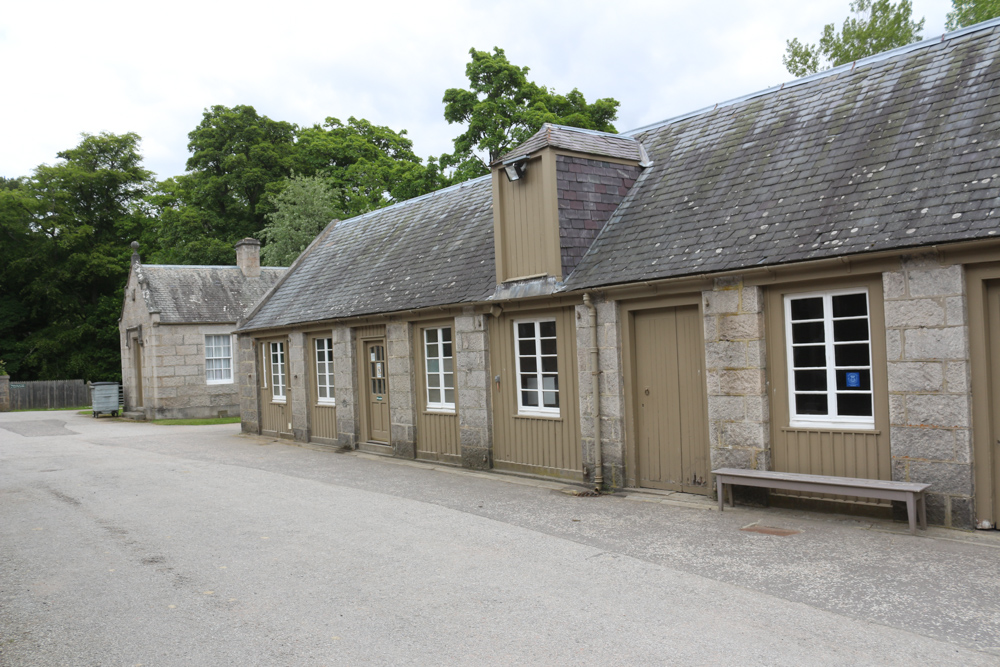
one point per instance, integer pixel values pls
(854, 379)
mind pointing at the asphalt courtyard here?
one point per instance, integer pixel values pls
(142, 544)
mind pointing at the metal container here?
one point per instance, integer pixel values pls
(104, 398)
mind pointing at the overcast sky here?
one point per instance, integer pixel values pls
(152, 68)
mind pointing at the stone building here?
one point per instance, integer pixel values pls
(806, 279)
(176, 330)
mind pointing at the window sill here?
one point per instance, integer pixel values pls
(218, 382)
(326, 404)
(440, 411)
(828, 426)
(555, 417)
(277, 402)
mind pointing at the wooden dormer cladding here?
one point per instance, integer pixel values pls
(571, 182)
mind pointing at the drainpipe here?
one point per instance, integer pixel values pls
(595, 375)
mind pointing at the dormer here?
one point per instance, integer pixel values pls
(553, 194)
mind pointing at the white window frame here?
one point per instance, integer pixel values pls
(277, 378)
(846, 422)
(442, 405)
(208, 359)
(329, 399)
(536, 410)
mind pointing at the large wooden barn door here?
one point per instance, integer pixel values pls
(670, 400)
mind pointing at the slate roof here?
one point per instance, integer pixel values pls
(432, 250)
(203, 294)
(582, 141)
(895, 151)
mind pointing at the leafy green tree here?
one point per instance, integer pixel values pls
(877, 26)
(501, 108)
(302, 210)
(71, 224)
(969, 12)
(369, 165)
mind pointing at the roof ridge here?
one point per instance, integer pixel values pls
(878, 57)
(600, 133)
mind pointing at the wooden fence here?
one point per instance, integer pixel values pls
(44, 394)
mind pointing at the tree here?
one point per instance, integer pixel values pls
(301, 211)
(70, 225)
(969, 12)
(878, 25)
(369, 165)
(501, 108)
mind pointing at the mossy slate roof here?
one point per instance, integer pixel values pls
(432, 250)
(203, 294)
(900, 152)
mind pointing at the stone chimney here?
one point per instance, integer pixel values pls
(248, 257)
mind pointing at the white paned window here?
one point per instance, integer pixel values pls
(324, 371)
(439, 369)
(537, 368)
(219, 359)
(829, 359)
(277, 372)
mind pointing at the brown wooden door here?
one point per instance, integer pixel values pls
(993, 344)
(137, 370)
(670, 400)
(378, 392)
(275, 393)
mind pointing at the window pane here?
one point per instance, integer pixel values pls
(449, 396)
(526, 348)
(448, 365)
(445, 349)
(431, 334)
(850, 305)
(433, 365)
(529, 365)
(809, 332)
(449, 380)
(446, 334)
(526, 330)
(809, 356)
(433, 380)
(548, 329)
(811, 404)
(529, 382)
(550, 399)
(810, 380)
(322, 391)
(807, 309)
(854, 405)
(550, 382)
(529, 399)
(432, 351)
(434, 395)
(850, 330)
(851, 355)
(548, 346)
(550, 364)
(854, 379)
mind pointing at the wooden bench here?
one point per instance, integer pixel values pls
(910, 492)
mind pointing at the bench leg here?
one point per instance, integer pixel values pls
(732, 503)
(720, 489)
(911, 513)
(922, 510)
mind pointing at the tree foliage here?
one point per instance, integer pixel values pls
(305, 206)
(501, 108)
(969, 12)
(65, 259)
(877, 26)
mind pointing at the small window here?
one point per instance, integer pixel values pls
(278, 372)
(439, 370)
(324, 371)
(219, 359)
(828, 341)
(537, 368)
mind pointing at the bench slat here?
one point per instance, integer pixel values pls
(855, 482)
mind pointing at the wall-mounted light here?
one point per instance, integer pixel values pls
(515, 167)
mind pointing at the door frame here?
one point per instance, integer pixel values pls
(985, 429)
(627, 314)
(264, 388)
(362, 342)
(138, 396)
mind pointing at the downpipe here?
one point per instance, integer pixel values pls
(595, 373)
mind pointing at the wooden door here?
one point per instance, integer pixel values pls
(670, 400)
(993, 345)
(275, 412)
(378, 391)
(137, 370)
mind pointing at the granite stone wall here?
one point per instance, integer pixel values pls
(611, 387)
(4, 393)
(738, 417)
(929, 384)
(473, 382)
(402, 399)
(248, 381)
(345, 386)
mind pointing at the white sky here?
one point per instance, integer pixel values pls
(152, 68)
